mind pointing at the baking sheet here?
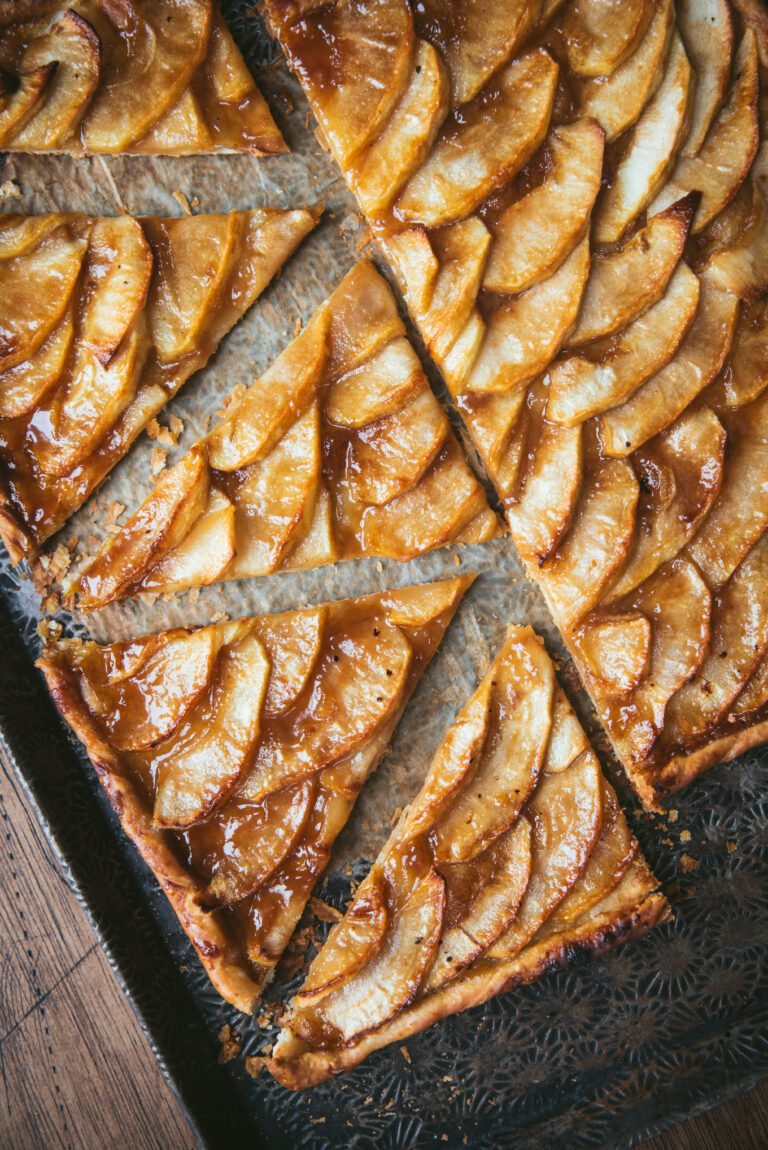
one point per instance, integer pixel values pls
(596, 1057)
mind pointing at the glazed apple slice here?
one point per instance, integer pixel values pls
(202, 556)
(616, 101)
(525, 333)
(19, 234)
(707, 32)
(492, 419)
(741, 267)
(461, 251)
(22, 387)
(536, 233)
(362, 320)
(625, 283)
(580, 388)
(724, 159)
(18, 105)
(599, 36)
(377, 388)
(549, 493)
(293, 644)
(755, 693)
(73, 47)
(118, 273)
(680, 473)
(616, 649)
(746, 374)
(483, 149)
(649, 154)
(663, 397)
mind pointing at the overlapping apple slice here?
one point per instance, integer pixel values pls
(339, 450)
(513, 857)
(149, 76)
(185, 728)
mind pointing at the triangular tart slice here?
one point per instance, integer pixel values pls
(514, 859)
(151, 77)
(339, 450)
(103, 321)
(182, 727)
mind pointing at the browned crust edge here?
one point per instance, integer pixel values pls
(297, 1067)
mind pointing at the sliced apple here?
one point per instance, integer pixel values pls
(117, 275)
(181, 130)
(565, 813)
(73, 46)
(204, 553)
(157, 48)
(18, 234)
(19, 106)
(488, 145)
(599, 35)
(665, 395)
(461, 250)
(616, 649)
(406, 137)
(293, 644)
(527, 332)
(536, 233)
(755, 693)
(210, 750)
(707, 32)
(616, 101)
(362, 319)
(492, 419)
(411, 255)
(482, 527)
(580, 388)
(318, 543)
(566, 737)
(741, 267)
(549, 492)
(724, 159)
(356, 686)
(680, 474)
(650, 152)
(740, 514)
(377, 388)
(625, 283)
(596, 543)
(745, 376)
(23, 386)
(419, 605)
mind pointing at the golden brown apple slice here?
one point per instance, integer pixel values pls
(755, 693)
(389, 980)
(580, 388)
(362, 321)
(525, 333)
(158, 47)
(616, 101)
(377, 388)
(118, 272)
(566, 737)
(36, 288)
(707, 31)
(663, 397)
(406, 137)
(549, 493)
(595, 544)
(599, 35)
(565, 813)
(22, 387)
(492, 418)
(617, 649)
(203, 554)
(392, 454)
(623, 284)
(73, 46)
(742, 268)
(460, 360)
(740, 515)
(538, 231)
(181, 130)
(318, 543)
(649, 154)
(293, 644)
(461, 250)
(680, 473)
(745, 376)
(483, 150)
(493, 794)
(18, 106)
(210, 750)
(18, 234)
(721, 165)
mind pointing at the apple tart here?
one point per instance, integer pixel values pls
(148, 77)
(574, 198)
(513, 860)
(339, 450)
(103, 320)
(233, 754)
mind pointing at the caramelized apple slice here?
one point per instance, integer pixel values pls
(17, 107)
(537, 232)
(663, 397)
(406, 137)
(204, 553)
(390, 979)
(565, 813)
(293, 645)
(118, 272)
(722, 163)
(391, 455)
(680, 474)
(461, 250)
(492, 796)
(492, 418)
(362, 321)
(486, 147)
(580, 388)
(19, 234)
(755, 694)
(377, 388)
(159, 47)
(616, 101)
(745, 376)
(418, 605)
(742, 267)
(707, 32)
(595, 544)
(74, 48)
(23, 386)
(599, 36)
(617, 650)
(650, 152)
(566, 737)
(549, 493)
(525, 333)
(740, 515)
(211, 749)
(623, 284)
(318, 543)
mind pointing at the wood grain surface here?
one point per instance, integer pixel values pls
(77, 1072)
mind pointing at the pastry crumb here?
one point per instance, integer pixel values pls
(219, 617)
(685, 836)
(114, 511)
(49, 630)
(297, 326)
(230, 1044)
(159, 458)
(730, 846)
(254, 1065)
(396, 815)
(672, 816)
(457, 560)
(194, 595)
(10, 190)
(153, 429)
(52, 604)
(688, 863)
(323, 911)
(405, 1053)
(183, 202)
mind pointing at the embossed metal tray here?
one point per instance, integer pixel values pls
(602, 1056)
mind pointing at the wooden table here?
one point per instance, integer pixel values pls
(77, 1073)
